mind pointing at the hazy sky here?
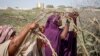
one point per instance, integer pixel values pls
(32, 3)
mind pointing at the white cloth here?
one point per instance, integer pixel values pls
(71, 25)
(32, 50)
(32, 47)
(4, 48)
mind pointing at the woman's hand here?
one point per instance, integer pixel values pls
(41, 42)
(33, 26)
(73, 16)
(41, 29)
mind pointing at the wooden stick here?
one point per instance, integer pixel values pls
(48, 42)
(28, 35)
(31, 33)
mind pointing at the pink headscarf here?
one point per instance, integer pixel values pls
(5, 33)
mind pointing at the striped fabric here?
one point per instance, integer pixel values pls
(5, 33)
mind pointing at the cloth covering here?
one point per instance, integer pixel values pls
(52, 32)
(4, 48)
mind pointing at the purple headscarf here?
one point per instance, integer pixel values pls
(5, 33)
(52, 32)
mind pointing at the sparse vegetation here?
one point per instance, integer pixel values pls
(88, 40)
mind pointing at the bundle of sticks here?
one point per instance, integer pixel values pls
(43, 37)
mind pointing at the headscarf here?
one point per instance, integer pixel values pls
(52, 32)
(52, 21)
(5, 33)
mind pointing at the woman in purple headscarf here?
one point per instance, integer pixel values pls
(54, 33)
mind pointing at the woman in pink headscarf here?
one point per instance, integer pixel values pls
(9, 42)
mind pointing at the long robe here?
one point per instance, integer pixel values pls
(68, 46)
(52, 32)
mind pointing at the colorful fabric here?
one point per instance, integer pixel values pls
(5, 33)
(52, 32)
